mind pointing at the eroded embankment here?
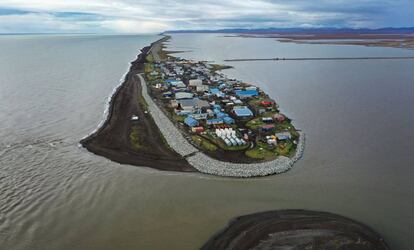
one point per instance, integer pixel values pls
(295, 229)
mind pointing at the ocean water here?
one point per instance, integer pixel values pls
(358, 161)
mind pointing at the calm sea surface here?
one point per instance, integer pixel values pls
(359, 158)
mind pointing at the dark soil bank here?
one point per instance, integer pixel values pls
(295, 229)
(113, 141)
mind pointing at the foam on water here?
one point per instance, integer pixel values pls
(105, 115)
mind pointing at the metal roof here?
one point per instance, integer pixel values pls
(243, 112)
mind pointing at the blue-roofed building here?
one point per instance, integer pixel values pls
(214, 121)
(217, 92)
(191, 122)
(228, 120)
(214, 90)
(242, 112)
(221, 115)
(216, 106)
(246, 93)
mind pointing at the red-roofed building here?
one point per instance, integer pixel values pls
(266, 103)
(267, 127)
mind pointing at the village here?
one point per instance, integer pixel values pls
(225, 118)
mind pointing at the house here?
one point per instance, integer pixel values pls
(187, 104)
(267, 119)
(191, 122)
(251, 88)
(214, 121)
(167, 94)
(242, 111)
(267, 103)
(197, 129)
(238, 102)
(201, 103)
(174, 82)
(279, 117)
(183, 95)
(217, 92)
(228, 120)
(183, 112)
(282, 136)
(267, 127)
(180, 85)
(221, 114)
(199, 116)
(202, 88)
(193, 83)
(246, 93)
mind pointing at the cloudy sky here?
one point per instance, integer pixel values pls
(151, 16)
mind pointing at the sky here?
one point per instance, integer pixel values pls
(153, 16)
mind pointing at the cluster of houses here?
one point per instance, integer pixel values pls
(208, 101)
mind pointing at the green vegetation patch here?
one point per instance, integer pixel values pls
(150, 58)
(148, 68)
(260, 153)
(255, 123)
(136, 141)
(142, 102)
(178, 118)
(283, 126)
(286, 150)
(204, 143)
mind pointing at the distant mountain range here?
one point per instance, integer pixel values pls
(405, 30)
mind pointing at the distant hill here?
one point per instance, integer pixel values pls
(405, 30)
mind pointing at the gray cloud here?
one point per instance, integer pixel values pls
(146, 16)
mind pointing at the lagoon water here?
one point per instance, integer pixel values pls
(358, 161)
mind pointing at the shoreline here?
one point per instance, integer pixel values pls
(165, 148)
(111, 139)
(402, 41)
(295, 229)
(206, 164)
